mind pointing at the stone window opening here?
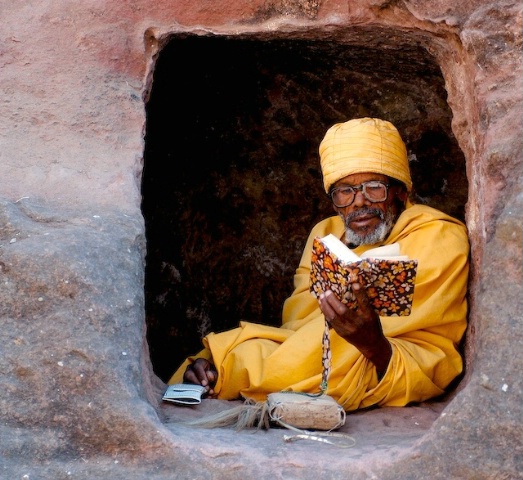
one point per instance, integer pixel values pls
(231, 184)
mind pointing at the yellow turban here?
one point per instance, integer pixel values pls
(363, 145)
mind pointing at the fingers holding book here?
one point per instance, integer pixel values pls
(201, 372)
(360, 326)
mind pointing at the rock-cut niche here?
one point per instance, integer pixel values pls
(231, 184)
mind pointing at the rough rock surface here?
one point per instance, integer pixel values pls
(78, 396)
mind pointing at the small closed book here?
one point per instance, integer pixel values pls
(387, 276)
(184, 393)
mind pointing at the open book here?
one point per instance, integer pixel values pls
(184, 393)
(387, 276)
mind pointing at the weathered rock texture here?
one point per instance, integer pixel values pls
(213, 112)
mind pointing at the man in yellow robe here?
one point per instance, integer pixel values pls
(386, 361)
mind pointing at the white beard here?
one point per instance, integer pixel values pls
(380, 233)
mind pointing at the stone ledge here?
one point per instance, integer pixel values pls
(382, 436)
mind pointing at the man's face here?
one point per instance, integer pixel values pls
(367, 222)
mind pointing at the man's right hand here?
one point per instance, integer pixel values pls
(360, 326)
(201, 372)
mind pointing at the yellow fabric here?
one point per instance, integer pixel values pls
(254, 360)
(363, 145)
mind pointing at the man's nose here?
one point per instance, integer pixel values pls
(359, 199)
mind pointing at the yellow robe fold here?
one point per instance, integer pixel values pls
(254, 360)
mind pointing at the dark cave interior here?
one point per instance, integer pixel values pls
(231, 184)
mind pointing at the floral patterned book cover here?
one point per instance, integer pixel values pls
(387, 277)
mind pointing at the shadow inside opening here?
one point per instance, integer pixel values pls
(231, 184)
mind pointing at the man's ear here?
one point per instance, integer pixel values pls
(400, 197)
(402, 194)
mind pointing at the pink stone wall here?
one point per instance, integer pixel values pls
(74, 78)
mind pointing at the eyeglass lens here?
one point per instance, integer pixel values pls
(373, 191)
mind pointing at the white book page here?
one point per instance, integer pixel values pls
(336, 246)
(387, 252)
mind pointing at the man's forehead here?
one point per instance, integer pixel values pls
(357, 178)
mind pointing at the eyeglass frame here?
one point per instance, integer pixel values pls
(359, 188)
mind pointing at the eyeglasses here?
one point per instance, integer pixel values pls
(374, 191)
